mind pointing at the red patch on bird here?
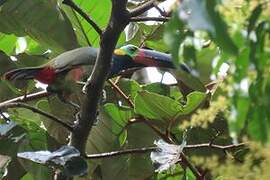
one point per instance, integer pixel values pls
(147, 61)
(46, 75)
(77, 73)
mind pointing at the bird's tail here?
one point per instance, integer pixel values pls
(21, 73)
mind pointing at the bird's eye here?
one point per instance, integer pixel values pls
(133, 49)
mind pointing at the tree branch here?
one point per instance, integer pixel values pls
(36, 110)
(71, 4)
(161, 12)
(123, 152)
(140, 19)
(143, 8)
(28, 97)
(150, 149)
(118, 20)
(121, 93)
(215, 146)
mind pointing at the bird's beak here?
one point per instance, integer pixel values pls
(151, 57)
(119, 52)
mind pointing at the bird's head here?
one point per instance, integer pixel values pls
(123, 58)
(130, 56)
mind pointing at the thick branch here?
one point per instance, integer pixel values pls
(84, 15)
(143, 8)
(36, 110)
(94, 85)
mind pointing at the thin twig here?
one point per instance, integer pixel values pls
(36, 110)
(150, 149)
(215, 146)
(121, 93)
(141, 9)
(84, 15)
(161, 12)
(28, 97)
(140, 19)
(81, 27)
(123, 152)
(156, 130)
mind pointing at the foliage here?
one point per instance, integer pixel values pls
(202, 34)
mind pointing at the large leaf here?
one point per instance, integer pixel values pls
(66, 114)
(158, 107)
(45, 22)
(139, 135)
(221, 35)
(107, 135)
(99, 13)
(120, 117)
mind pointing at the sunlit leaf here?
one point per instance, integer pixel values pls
(45, 22)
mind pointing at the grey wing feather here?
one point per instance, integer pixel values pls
(75, 57)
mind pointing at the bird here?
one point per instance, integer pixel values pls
(65, 69)
(125, 57)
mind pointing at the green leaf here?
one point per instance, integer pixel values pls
(27, 177)
(254, 17)
(174, 35)
(194, 100)
(221, 36)
(7, 43)
(190, 81)
(129, 86)
(99, 12)
(242, 64)
(158, 88)
(119, 115)
(258, 126)
(52, 105)
(42, 20)
(139, 135)
(157, 107)
(242, 109)
(104, 137)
